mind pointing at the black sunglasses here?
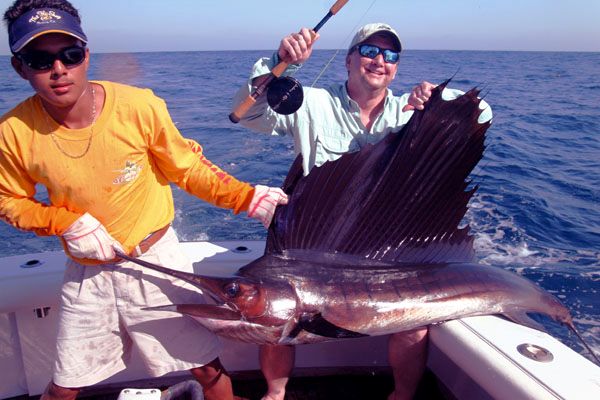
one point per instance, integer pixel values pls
(371, 51)
(42, 60)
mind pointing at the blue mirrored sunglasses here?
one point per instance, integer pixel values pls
(371, 51)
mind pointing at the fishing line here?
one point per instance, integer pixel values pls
(342, 44)
(571, 326)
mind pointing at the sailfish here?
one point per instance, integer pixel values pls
(374, 243)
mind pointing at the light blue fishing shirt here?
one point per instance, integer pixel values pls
(328, 123)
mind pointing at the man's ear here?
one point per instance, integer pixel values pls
(18, 66)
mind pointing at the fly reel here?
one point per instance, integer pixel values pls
(285, 95)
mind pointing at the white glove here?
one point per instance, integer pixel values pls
(88, 238)
(263, 204)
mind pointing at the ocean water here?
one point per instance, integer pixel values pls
(537, 211)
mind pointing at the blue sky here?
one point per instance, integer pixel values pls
(160, 25)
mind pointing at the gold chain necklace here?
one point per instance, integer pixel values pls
(89, 143)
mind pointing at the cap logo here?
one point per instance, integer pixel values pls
(44, 17)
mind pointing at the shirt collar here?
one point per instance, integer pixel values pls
(353, 105)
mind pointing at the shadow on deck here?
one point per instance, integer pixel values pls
(375, 385)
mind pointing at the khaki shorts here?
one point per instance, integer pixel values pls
(101, 319)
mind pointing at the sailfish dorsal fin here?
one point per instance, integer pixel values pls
(399, 200)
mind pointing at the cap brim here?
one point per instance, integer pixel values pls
(392, 36)
(24, 41)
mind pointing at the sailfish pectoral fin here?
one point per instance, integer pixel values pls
(318, 325)
(201, 310)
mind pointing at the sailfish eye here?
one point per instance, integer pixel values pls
(232, 289)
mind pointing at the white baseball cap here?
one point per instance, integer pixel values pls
(370, 29)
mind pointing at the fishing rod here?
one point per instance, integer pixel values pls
(284, 96)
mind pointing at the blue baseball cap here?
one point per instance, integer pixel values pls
(40, 21)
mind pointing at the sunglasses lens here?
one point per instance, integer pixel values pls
(41, 60)
(72, 55)
(391, 57)
(369, 51)
(38, 60)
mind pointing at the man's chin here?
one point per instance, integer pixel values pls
(377, 84)
(64, 101)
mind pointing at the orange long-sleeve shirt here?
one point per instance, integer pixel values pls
(122, 180)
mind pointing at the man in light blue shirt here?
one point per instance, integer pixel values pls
(331, 122)
(346, 116)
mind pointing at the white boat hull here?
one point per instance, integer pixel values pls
(473, 357)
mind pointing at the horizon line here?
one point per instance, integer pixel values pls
(331, 49)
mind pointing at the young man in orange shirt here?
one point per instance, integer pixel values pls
(106, 154)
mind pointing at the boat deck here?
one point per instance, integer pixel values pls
(375, 386)
(346, 385)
